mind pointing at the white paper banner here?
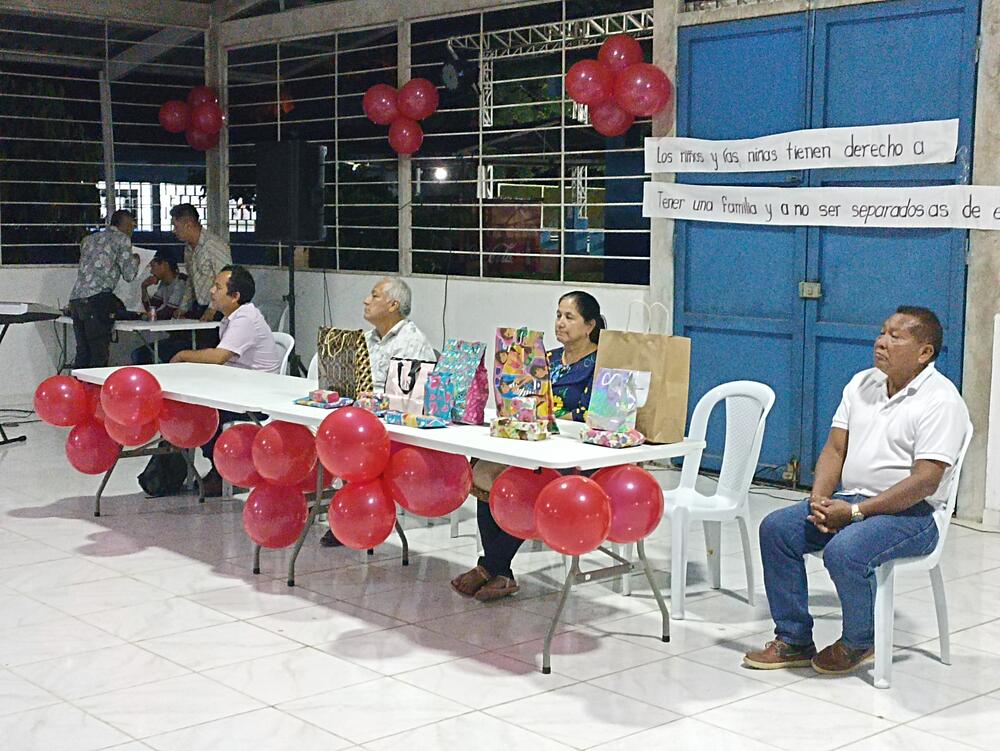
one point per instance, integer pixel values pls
(939, 206)
(931, 142)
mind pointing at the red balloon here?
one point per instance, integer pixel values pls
(642, 89)
(61, 401)
(202, 95)
(636, 502)
(610, 120)
(131, 435)
(207, 118)
(284, 453)
(417, 99)
(132, 396)
(308, 484)
(94, 408)
(187, 426)
(233, 457)
(405, 135)
(428, 483)
(379, 104)
(513, 496)
(201, 141)
(353, 444)
(620, 51)
(573, 515)
(589, 82)
(90, 449)
(362, 514)
(275, 515)
(174, 116)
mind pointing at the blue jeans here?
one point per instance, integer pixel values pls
(851, 557)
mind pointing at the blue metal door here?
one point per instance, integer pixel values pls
(736, 287)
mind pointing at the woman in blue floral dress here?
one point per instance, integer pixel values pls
(571, 366)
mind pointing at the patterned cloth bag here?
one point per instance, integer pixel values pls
(463, 361)
(405, 384)
(343, 361)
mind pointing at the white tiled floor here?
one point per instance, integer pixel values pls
(144, 629)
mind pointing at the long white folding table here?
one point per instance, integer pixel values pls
(240, 390)
(146, 330)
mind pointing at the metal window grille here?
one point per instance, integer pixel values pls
(53, 181)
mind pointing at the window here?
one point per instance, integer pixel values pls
(311, 90)
(52, 185)
(511, 180)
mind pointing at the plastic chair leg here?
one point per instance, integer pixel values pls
(713, 546)
(678, 561)
(454, 523)
(941, 608)
(884, 617)
(748, 561)
(627, 552)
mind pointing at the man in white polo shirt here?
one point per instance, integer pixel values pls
(895, 437)
(245, 341)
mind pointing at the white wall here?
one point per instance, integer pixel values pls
(29, 352)
(475, 308)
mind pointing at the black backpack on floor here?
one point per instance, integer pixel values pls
(164, 474)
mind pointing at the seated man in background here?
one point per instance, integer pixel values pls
(896, 434)
(245, 341)
(171, 288)
(393, 334)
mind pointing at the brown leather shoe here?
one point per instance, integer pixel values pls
(471, 581)
(838, 659)
(497, 587)
(211, 484)
(777, 654)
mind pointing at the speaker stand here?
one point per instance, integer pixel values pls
(294, 361)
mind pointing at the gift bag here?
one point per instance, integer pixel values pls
(463, 361)
(615, 398)
(439, 395)
(405, 383)
(343, 361)
(521, 371)
(668, 361)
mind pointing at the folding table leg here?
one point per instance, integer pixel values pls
(574, 569)
(314, 511)
(256, 559)
(100, 490)
(406, 545)
(641, 553)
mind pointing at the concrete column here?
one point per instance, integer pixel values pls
(983, 290)
(405, 169)
(661, 235)
(217, 159)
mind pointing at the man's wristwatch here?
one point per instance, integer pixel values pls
(856, 515)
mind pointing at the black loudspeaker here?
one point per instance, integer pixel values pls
(290, 192)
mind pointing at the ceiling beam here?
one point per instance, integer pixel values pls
(145, 12)
(164, 40)
(327, 18)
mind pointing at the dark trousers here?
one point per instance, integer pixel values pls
(93, 320)
(205, 338)
(167, 348)
(499, 547)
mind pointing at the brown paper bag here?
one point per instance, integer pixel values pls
(668, 360)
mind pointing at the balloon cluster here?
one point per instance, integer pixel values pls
(200, 117)
(574, 515)
(128, 410)
(618, 86)
(401, 110)
(279, 461)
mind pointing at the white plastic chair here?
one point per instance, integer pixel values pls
(282, 321)
(885, 574)
(312, 374)
(747, 406)
(285, 342)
